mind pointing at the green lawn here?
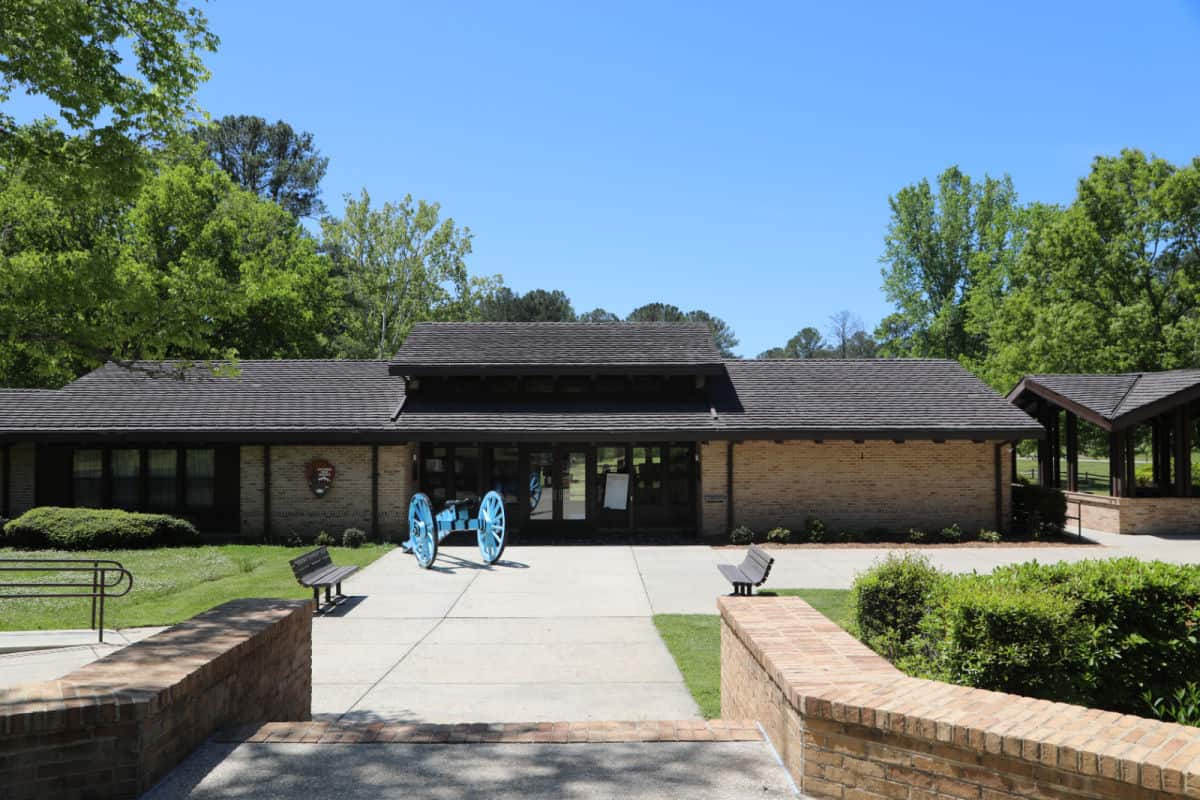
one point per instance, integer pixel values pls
(694, 641)
(171, 584)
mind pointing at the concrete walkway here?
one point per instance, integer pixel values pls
(631, 771)
(546, 634)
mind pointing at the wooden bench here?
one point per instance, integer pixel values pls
(315, 569)
(753, 571)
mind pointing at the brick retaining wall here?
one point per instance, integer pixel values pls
(114, 727)
(849, 725)
(1149, 515)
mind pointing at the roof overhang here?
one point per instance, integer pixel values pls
(507, 370)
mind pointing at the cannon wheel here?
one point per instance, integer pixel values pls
(535, 489)
(492, 533)
(421, 531)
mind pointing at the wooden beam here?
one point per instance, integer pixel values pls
(1072, 452)
(1130, 462)
(1056, 448)
(1183, 451)
(1044, 446)
(1116, 464)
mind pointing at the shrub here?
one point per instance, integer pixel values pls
(1114, 634)
(848, 536)
(1183, 706)
(917, 536)
(989, 536)
(951, 534)
(741, 535)
(353, 537)
(1144, 618)
(325, 540)
(1040, 511)
(891, 598)
(96, 529)
(994, 637)
(779, 535)
(814, 530)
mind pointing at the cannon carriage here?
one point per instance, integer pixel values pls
(426, 531)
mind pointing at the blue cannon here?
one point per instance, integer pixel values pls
(425, 532)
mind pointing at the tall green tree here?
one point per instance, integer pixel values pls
(396, 265)
(536, 305)
(1110, 283)
(598, 315)
(273, 160)
(121, 74)
(722, 333)
(939, 247)
(194, 268)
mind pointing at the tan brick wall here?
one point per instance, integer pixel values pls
(295, 509)
(1134, 515)
(395, 489)
(849, 726)
(23, 459)
(1097, 513)
(113, 728)
(714, 489)
(859, 486)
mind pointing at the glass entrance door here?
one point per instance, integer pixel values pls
(574, 485)
(558, 484)
(543, 486)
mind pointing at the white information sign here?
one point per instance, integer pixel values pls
(616, 490)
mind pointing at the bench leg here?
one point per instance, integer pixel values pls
(339, 590)
(316, 599)
(328, 595)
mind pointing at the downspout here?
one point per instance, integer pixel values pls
(5, 493)
(267, 492)
(999, 487)
(375, 492)
(729, 487)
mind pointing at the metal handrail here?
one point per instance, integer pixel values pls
(99, 586)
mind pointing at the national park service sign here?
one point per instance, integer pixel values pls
(320, 476)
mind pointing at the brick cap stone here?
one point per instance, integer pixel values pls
(133, 682)
(825, 673)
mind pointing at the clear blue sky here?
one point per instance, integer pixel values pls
(735, 157)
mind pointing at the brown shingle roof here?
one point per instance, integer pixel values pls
(278, 400)
(519, 347)
(1117, 400)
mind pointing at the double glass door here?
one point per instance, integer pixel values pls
(558, 484)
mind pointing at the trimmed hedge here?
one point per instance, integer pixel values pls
(891, 599)
(51, 527)
(1105, 634)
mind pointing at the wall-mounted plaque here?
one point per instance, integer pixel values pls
(320, 476)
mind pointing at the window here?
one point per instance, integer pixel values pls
(126, 468)
(88, 474)
(506, 474)
(467, 467)
(161, 468)
(199, 469)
